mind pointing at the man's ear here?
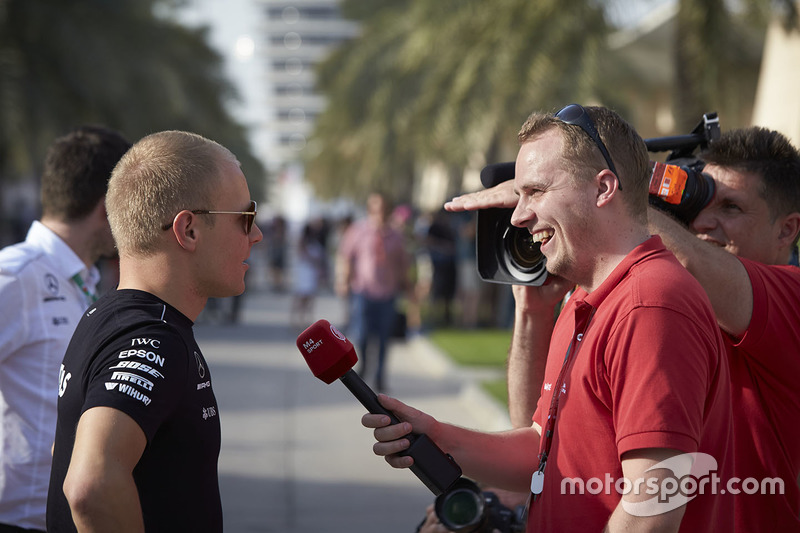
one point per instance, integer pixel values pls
(789, 227)
(607, 186)
(185, 230)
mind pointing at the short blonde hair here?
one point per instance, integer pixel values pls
(161, 175)
(583, 159)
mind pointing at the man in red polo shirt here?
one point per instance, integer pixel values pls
(747, 235)
(633, 424)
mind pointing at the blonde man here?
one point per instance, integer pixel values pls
(138, 435)
(625, 398)
(740, 248)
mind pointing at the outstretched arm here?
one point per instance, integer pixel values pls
(499, 459)
(501, 195)
(721, 274)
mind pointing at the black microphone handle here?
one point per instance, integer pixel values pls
(436, 469)
(366, 395)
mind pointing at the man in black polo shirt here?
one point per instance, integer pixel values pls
(138, 433)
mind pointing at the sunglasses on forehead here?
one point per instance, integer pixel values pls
(249, 216)
(576, 115)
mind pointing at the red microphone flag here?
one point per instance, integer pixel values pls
(327, 351)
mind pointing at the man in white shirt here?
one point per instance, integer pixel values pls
(46, 282)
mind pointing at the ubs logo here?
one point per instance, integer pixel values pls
(201, 368)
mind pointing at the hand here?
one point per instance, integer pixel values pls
(431, 523)
(390, 436)
(501, 195)
(544, 298)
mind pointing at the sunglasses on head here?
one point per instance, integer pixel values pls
(576, 115)
(249, 216)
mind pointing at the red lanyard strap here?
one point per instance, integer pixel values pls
(583, 315)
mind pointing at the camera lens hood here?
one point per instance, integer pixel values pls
(506, 253)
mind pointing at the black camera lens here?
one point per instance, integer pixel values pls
(522, 251)
(463, 508)
(506, 253)
(697, 189)
(698, 193)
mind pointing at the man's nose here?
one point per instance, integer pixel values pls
(525, 212)
(255, 234)
(521, 215)
(704, 222)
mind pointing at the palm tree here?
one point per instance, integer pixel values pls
(63, 63)
(710, 46)
(443, 81)
(450, 81)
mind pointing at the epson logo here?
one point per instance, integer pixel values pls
(310, 345)
(143, 354)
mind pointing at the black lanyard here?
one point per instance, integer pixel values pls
(583, 315)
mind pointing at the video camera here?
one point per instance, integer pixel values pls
(465, 509)
(506, 253)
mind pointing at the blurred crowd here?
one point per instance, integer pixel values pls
(299, 259)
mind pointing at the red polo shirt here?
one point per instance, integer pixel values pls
(647, 369)
(765, 383)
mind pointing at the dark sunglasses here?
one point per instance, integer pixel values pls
(249, 216)
(576, 115)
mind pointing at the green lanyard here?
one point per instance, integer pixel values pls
(82, 286)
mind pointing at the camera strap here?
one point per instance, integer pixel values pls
(583, 315)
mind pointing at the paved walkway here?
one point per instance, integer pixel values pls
(295, 458)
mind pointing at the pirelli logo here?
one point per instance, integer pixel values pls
(146, 384)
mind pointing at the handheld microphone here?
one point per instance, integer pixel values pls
(331, 356)
(496, 173)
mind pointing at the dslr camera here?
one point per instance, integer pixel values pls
(465, 509)
(506, 254)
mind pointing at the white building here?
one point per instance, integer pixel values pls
(296, 35)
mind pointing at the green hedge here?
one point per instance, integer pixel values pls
(478, 348)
